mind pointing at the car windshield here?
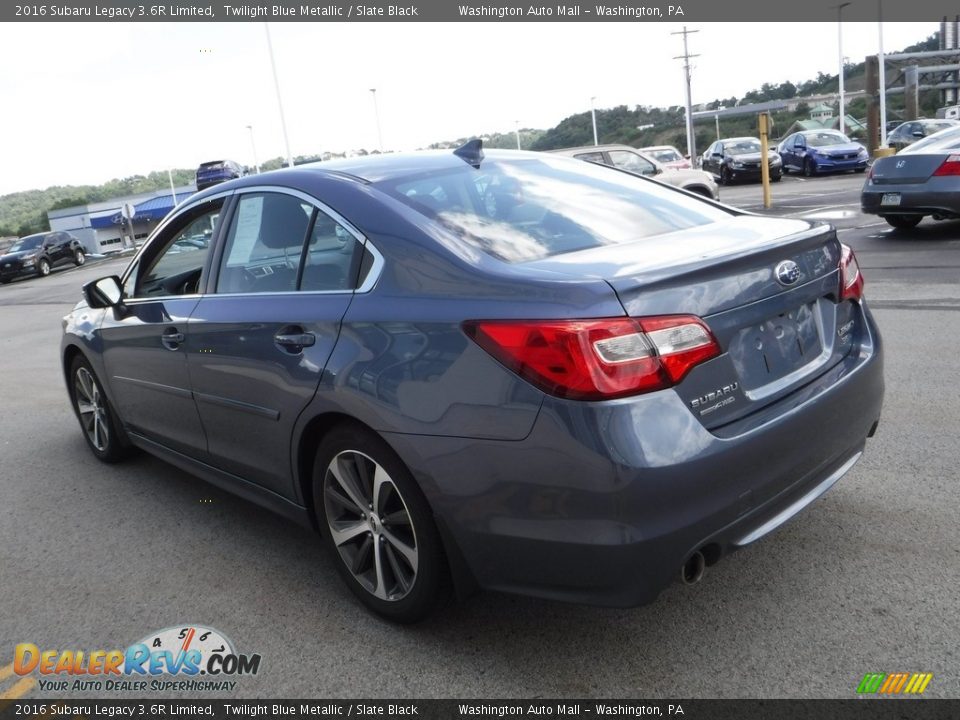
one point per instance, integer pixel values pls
(824, 139)
(523, 210)
(741, 147)
(31, 242)
(948, 139)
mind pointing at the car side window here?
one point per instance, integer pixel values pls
(626, 160)
(176, 266)
(596, 157)
(279, 243)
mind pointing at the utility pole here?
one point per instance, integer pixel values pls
(691, 141)
(593, 114)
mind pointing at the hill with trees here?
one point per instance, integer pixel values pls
(25, 212)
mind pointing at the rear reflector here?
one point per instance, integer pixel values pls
(597, 359)
(851, 279)
(950, 166)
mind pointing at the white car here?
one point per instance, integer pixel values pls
(636, 161)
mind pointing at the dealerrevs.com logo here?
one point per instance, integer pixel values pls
(181, 658)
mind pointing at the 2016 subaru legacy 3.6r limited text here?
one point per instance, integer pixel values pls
(517, 372)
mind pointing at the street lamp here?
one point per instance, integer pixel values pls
(276, 86)
(716, 117)
(376, 115)
(517, 130)
(253, 147)
(843, 111)
(593, 114)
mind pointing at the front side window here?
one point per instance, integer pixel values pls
(176, 266)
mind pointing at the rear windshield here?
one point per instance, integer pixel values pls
(521, 210)
(216, 165)
(666, 155)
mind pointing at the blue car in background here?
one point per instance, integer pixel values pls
(217, 171)
(506, 370)
(821, 151)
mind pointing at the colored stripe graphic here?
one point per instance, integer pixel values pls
(894, 683)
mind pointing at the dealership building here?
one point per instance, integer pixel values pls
(101, 226)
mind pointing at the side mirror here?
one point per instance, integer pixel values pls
(105, 292)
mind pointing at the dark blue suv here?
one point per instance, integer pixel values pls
(217, 171)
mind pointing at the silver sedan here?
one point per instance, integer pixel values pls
(921, 180)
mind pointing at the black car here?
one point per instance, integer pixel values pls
(739, 159)
(913, 130)
(38, 254)
(217, 171)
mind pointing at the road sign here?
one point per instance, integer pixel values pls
(128, 211)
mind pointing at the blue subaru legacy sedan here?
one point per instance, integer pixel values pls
(508, 371)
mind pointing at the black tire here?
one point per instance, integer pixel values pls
(776, 178)
(373, 555)
(4, 281)
(809, 169)
(861, 170)
(43, 267)
(903, 222)
(724, 175)
(79, 257)
(101, 428)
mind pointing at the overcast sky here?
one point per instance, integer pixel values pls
(87, 102)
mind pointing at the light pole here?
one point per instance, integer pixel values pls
(276, 86)
(593, 114)
(883, 80)
(717, 119)
(376, 116)
(517, 130)
(843, 111)
(253, 146)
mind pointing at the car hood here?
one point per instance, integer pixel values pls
(753, 157)
(844, 149)
(18, 255)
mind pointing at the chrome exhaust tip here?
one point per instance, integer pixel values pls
(692, 570)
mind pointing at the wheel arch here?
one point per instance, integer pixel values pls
(315, 429)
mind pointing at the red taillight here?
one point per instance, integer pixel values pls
(851, 279)
(598, 359)
(950, 166)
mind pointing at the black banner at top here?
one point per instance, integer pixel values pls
(686, 11)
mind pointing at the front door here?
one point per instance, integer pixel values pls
(146, 339)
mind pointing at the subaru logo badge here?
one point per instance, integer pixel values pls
(787, 272)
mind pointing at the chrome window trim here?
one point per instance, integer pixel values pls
(366, 286)
(173, 215)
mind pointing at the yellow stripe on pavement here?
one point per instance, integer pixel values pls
(21, 688)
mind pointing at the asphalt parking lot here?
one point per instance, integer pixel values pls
(866, 580)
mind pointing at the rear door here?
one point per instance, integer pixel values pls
(264, 331)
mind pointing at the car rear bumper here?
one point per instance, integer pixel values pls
(603, 502)
(915, 199)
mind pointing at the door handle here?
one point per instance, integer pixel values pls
(172, 338)
(294, 341)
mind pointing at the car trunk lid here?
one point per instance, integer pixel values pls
(767, 288)
(905, 169)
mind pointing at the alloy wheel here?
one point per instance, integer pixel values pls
(91, 406)
(44, 267)
(370, 525)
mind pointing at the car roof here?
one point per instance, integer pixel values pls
(373, 168)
